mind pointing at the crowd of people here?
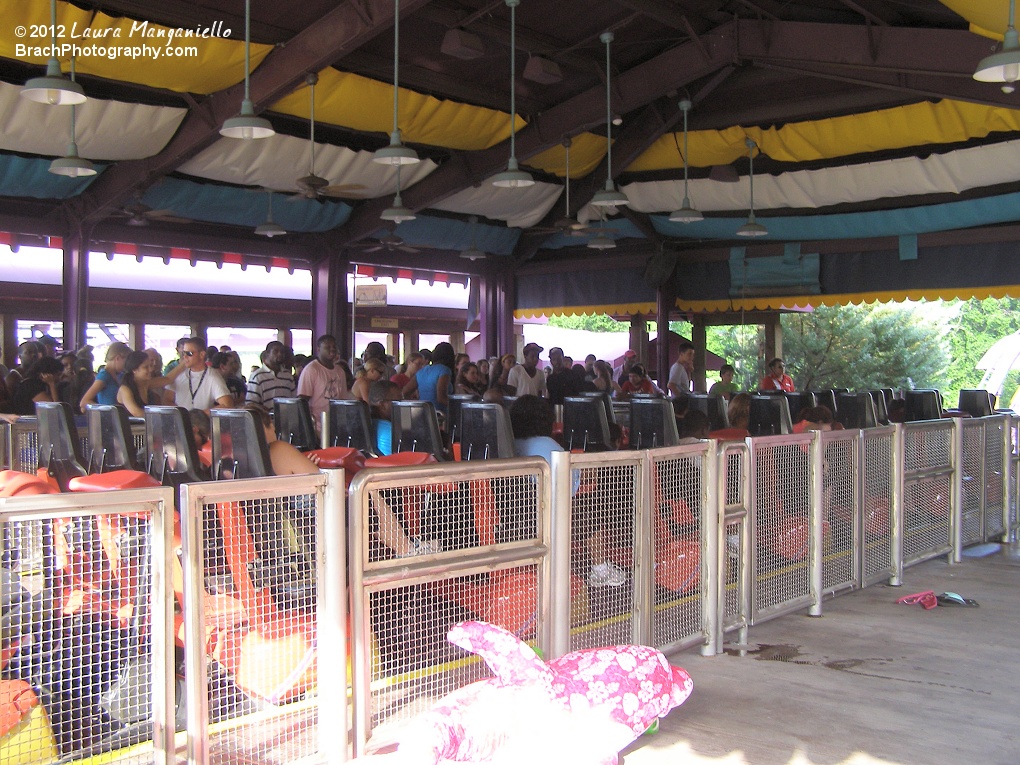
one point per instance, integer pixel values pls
(202, 378)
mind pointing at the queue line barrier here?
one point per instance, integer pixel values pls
(713, 538)
(88, 642)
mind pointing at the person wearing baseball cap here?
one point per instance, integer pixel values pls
(525, 378)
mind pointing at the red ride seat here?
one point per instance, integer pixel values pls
(112, 481)
(14, 483)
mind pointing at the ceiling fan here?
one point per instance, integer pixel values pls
(313, 186)
(566, 225)
(140, 214)
(389, 243)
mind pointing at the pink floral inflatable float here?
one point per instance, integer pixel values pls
(582, 708)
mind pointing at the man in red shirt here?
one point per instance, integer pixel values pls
(777, 379)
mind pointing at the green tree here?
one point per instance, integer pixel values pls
(976, 327)
(844, 347)
(865, 347)
(592, 323)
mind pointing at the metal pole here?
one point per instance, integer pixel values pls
(361, 639)
(896, 521)
(644, 552)
(956, 492)
(1008, 495)
(162, 611)
(749, 542)
(815, 520)
(196, 676)
(331, 584)
(559, 508)
(712, 561)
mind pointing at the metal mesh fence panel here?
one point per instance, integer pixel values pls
(995, 462)
(841, 506)
(782, 531)
(734, 464)
(927, 485)
(602, 513)
(413, 665)
(678, 515)
(876, 515)
(82, 626)
(254, 682)
(1014, 477)
(973, 484)
(430, 547)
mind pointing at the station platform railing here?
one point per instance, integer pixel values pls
(285, 618)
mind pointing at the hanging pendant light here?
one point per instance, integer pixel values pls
(72, 165)
(472, 253)
(54, 88)
(396, 153)
(246, 125)
(270, 228)
(686, 213)
(397, 213)
(752, 227)
(513, 177)
(1003, 66)
(609, 196)
(600, 241)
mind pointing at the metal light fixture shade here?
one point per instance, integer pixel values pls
(396, 153)
(54, 88)
(397, 213)
(1003, 66)
(686, 213)
(246, 125)
(473, 253)
(601, 242)
(513, 177)
(72, 166)
(752, 228)
(270, 229)
(609, 197)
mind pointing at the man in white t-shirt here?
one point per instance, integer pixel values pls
(199, 387)
(322, 379)
(680, 373)
(526, 378)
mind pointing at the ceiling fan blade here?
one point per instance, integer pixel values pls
(405, 248)
(343, 191)
(148, 213)
(169, 218)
